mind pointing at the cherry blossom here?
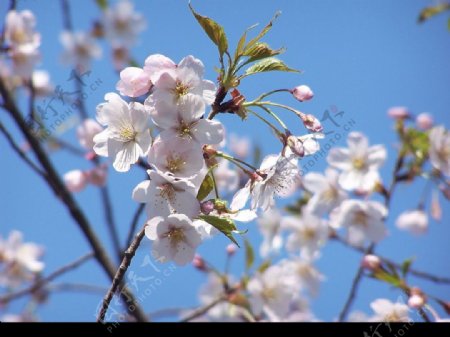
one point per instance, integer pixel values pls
(359, 163)
(164, 195)
(440, 149)
(86, 132)
(301, 273)
(41, 83)
(269, 224)
(75, 180)
(24, 60)
(19, 260)
(174, 238)
(415, 221)
(364, 220)
(122, 24)
(325, 189)
(307, 234)
(134, 82)
(127, 135)
(19, 29)
(227, 179)
(79, 49)
(387, 311)
(302, 93)
(172, 81)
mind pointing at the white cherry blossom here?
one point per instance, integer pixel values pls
(86, 132)
(364, 220)
(269, 224)
(174, 238)
(79, 49)
(302, 274)
(440, 149)
(387, 311)
(415, 221)
(127, 135)
(20, 29)
(326, 192)
(165, 195)
(359, 163)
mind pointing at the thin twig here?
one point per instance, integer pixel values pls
(21, 154)
(203, 310)
(134, 222)
(415, 272)
(41, 282)
(108, 210)
(117, 280)
(81, 287)
(59, 188)
(354, 288)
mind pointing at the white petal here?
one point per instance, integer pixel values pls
(208, 131)
(339, 158)
(141, 192)
(240, 198)
(128, 155)
(376, 156)
(314, 182)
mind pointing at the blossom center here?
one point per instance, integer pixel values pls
(360, 218)
(330, 194)
(167, 191)
(392, 317)
(127, 133)
(309, 233)
(175, 236)
(121, 25)
(184, 130)
(19, 36)
(181, 89)
(359, 163)
(175, 163)
(268, 293)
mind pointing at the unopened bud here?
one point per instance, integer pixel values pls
(207, 206)
(302, 93)
(209, 151)
(416, 301)
(371, 262)
(220, 205)
(296, 146)
(398, 112)
(424, 121)
(90, 155)
(231, 249)
(199, 263)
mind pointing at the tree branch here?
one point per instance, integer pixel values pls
(65, 196)
(354, 288)
(203, 310)
(118, 277)
(134, 223)
(41, 282)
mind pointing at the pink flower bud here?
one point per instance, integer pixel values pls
(207, 207)
(416, 301)
(398, 112)
(97, 176)
(231, 249)
(134, 82)
(86, 132)
(302, 93)
(199, 263)
(296, 146)
(371, 262)
(424, 121)
(75, 180)
(90, 155)
(312, 123)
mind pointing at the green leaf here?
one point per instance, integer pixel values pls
(249, 255)
(205, 188)
(268, 64)
(103, 4)
(225, 225)
(406, 265)
(260, 51)
(215, 31)
(266, 264)
(241, 43)
(448, 24)
(263, 31)
(388, 278)
(431, 11)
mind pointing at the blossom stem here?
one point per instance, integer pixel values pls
(259, 98)
(236, 161)
(118, 277)
(43, 281)
(203, 310)
(278, 133)
(216, 190)
(270, 112)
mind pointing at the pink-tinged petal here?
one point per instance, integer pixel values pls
(156, 64)
(269, 161)
(144, 141)
(134, 82)
(339, 158)
(209, 91)
(113, 111)
(163, 249)
(245, 215)
(356, 236)
(240, 198)
(376, 156)
(183, 254)
(351, 180)
(75, 180)
(190, 108)
(193, 63)
(101, 143)
(368, 181)
(208, 131)
(357, 144)
(97, 176)
(152, 225)
(167, 81)
(141, 192)
(162, 110)
(127, 155)
(314, 182)
(376, 231)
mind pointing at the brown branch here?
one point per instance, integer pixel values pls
(21, 154)
(354, 288)
(415, 272)
(203, 310)
(118, 277)
(134, 223)
(81, 287)
(65, 196)
(41, 282)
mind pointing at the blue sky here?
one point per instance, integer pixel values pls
(361, 56)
